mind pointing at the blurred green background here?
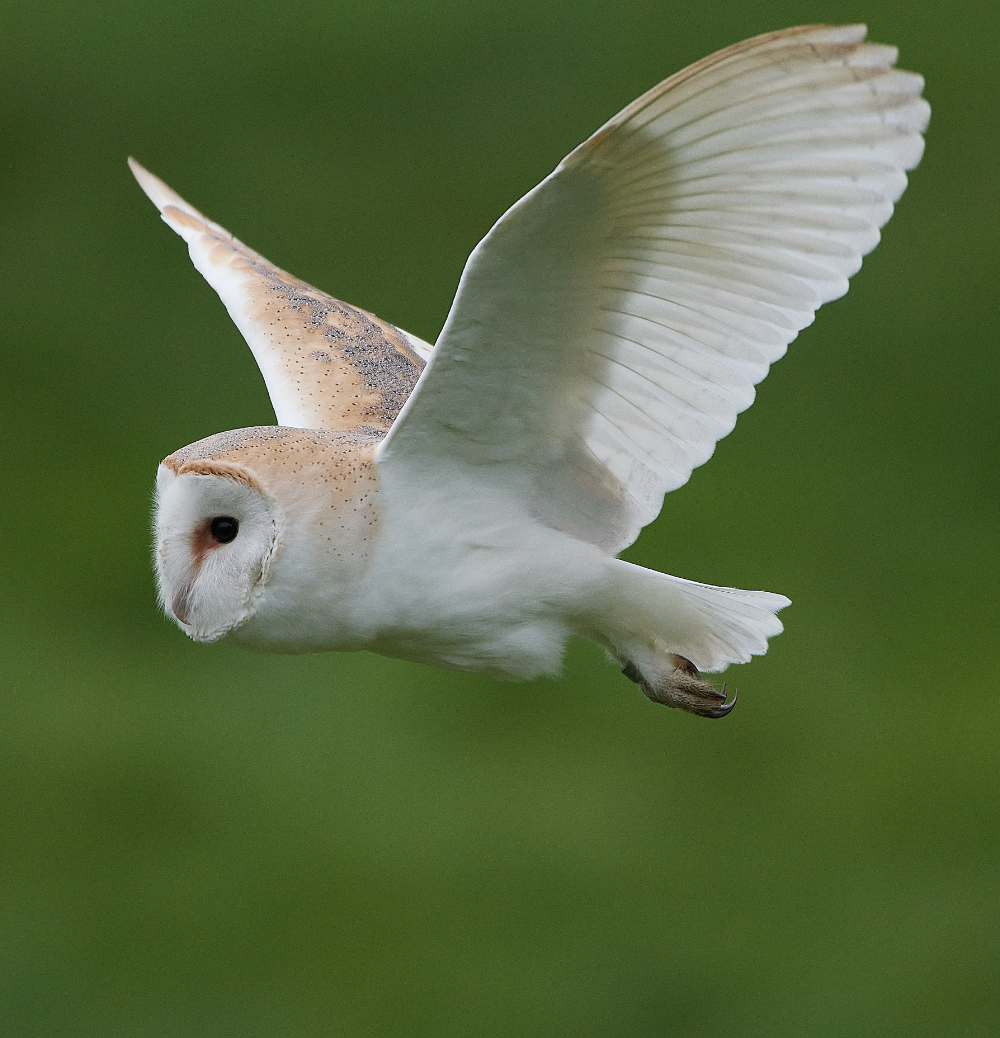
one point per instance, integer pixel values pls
(203, 843)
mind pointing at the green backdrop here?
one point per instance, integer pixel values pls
(201, 843)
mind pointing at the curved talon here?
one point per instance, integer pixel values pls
(723, 710)
(681, 688)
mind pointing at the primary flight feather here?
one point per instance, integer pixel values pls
(462, 505)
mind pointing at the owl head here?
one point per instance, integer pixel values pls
(257, 523)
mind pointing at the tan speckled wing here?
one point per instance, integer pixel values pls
(327, 365)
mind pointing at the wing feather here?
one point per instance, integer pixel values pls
(612, 325)
(326, 364)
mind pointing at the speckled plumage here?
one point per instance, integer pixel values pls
(342, 366)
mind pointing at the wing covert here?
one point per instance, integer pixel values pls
(326, 364)
(611, 326)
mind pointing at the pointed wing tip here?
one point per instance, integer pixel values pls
(161, 194)
(156, 191)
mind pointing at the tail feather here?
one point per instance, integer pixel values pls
(650, 616)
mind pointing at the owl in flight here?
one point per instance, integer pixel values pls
(462, 505)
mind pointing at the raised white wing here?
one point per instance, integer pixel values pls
(326, 364)
(613, 323)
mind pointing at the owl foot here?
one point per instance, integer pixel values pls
(682, 687)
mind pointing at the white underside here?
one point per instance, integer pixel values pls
(477, 585)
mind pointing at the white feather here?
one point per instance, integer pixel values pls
(631, 301)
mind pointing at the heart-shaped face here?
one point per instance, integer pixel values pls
(215, 535)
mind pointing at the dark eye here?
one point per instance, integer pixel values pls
(224, 528)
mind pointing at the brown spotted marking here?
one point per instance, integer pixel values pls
(348, 367)
(264, 455)
(289, 465)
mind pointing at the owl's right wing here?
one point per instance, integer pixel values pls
(326, 364)
(613, 323)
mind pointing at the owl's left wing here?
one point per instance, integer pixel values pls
(326, 365)
(613, 323)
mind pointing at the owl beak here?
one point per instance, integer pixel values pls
(180, 603)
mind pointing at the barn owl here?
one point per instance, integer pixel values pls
(462, 505)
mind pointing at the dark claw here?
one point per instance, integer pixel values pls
(721, 711)
(681, 688)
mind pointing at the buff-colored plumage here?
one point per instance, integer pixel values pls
(604, 336)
